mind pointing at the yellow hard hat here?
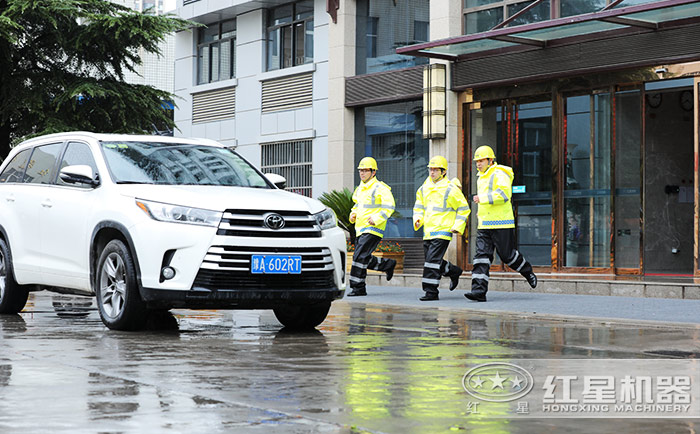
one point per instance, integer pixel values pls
(484, 152)
(438, 161)
(368, 163)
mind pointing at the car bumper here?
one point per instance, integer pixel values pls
(229, 298)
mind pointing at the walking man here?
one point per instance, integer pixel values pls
(374, 204)
(442, 210)
(496, 223)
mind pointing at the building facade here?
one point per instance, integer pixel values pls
(256, 78)
(594, 104)
(155, 70)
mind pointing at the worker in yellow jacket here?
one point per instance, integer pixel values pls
(496, 223)
(442, 210)
(374, 204)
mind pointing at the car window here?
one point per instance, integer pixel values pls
(77, 153)
(41, 164)
(15, 169)
(179, 164)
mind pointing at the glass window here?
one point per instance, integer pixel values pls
(536, 14)
(40, 169)
(290, 35)
(77, 154)
(578, 7)
(477, 3)
(393, 135)
(383, 26)
(216, 52)
(291, 160)
(14, 171)
(173, 164)
(481, 21)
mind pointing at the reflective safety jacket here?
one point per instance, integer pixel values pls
(372, 199)
(494, 188)
(442, 207)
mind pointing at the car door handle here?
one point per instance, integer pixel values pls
(47, 203)
(10, 198)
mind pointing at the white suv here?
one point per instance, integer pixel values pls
(149, 223)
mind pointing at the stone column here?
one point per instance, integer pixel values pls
(341, 121)
(446, 21)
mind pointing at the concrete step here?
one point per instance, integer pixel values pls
(581, 285)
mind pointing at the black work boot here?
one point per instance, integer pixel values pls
(531, 279)
(475, 296)
(429, 296)
(390, 271)
(454, 280)
(357, 292)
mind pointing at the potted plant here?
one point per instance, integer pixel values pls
(386, 249)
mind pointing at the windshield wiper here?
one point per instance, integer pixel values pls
(135, 182)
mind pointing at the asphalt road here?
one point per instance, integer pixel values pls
(382, 363)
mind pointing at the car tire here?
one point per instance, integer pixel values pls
(117, 290)
(13, 296)
(302, 317)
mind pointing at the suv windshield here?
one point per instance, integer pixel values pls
(178, 164)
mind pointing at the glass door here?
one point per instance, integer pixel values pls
(587, 180)
(627, 234)
(520, 133)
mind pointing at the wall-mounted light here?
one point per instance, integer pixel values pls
(434, 81)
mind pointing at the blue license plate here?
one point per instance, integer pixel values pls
(275, 264)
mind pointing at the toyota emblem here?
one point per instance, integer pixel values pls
(274, 221)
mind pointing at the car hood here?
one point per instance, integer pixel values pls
(221, 198)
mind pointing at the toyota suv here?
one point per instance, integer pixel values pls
(147, 223)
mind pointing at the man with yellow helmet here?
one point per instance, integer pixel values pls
(374, 204)
(496, 223)
(442, 210)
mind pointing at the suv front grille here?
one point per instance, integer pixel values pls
(213, 279)
(251, 223)
(229, 267)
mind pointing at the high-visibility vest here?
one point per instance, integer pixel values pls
(494, 188)
(442, 208)
(372, 199)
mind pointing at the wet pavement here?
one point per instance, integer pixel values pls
(372, 366)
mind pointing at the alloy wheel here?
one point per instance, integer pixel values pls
(113, 285)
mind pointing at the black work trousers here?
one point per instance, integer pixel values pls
(504, 242)
(362, 260)
(435, 266)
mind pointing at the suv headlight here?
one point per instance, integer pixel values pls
(166, 212)
(326, 219)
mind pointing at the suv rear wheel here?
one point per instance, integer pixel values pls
(302, 317)
(118, 298)
(13, 296)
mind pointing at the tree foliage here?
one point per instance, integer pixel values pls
(62, 65)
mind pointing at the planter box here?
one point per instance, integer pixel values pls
(398, 257)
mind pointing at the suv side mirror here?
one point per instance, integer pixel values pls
(279, 180)
(79, 174)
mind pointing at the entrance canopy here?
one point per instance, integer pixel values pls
(604, 24)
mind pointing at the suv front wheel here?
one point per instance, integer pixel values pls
(118, 298)
(302, 317)
(13, 296)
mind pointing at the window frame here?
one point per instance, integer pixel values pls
(293, 25)
(218, 42)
